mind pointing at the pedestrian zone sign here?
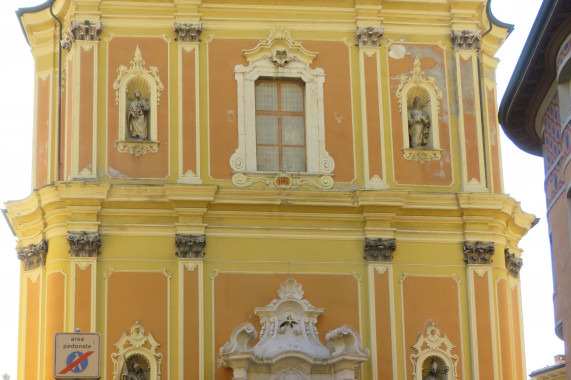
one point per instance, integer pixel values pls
(77, 356)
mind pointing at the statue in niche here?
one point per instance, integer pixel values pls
(433, 372)
(134, 370)
(418, 125)
(138, 117)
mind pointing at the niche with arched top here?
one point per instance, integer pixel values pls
(434, 368)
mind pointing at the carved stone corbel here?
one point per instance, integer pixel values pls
(466, 39)
(190, 246)
(378, 249)
(83, 243)
(33, 255)
(369, 36)
(187, 32)
(513, 263)
(478, 252)
(85, 31)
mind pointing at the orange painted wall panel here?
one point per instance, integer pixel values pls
(517, 333)
(383, 314)
(55, 311)
(504, 327)
(437, 173)
(83, 298)
(236, 295)
(42, 132)
(86, 108)
(188, 111)
(470, 123)
(483, 326)
(137, 296)
(426, 300)
(66, 133)
(494, 141)
(155, 53)
(191, 318)
(373, 116)
(32, 325)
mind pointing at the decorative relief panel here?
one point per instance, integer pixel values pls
(289, 346)
(369, 36)
(138, 94)
(419, 103)
(478, 252)
(187, 32)
(377, 249)
(433, 358)
(513, 263)
(136, 356)
(190, 246)
(466, 39)
(84, 244)
(81, 31)
(33, 255)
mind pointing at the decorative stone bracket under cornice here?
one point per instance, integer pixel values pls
(466, 39)
(190, 246)
(478, 252)
(186, 32)
(513, 263)
(81, 31)
(378, 249)
(33, 255)
(369, 36)
(83, 243)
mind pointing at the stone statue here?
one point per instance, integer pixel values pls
(138, 117)
(433, 372)
(5, 377)
(136, 374)
(418, 125)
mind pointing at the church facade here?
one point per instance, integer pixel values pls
(270, 190)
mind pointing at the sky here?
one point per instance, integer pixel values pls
(523, 180)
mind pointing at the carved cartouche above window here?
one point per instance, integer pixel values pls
(81, 31)
(466, 39)
(369, 36)
(377, 249)
(187, 32)
(83, 244)
(513, 263)
(190, 246)
(33, 255)
(478, 252)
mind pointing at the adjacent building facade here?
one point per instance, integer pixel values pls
(536, 114)
(245, 190)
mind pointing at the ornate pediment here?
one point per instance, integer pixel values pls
(289, 343)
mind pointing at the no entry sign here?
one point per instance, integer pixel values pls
(77, 356)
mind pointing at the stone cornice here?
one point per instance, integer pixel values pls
(190, 246)
(83, 243)
(33, 255)
(478, 252)
(378, 249)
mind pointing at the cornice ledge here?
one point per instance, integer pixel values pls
(183, 192)
(382, 197)
(291, 197)
(77, 190)
(23, 207)
(482, 201)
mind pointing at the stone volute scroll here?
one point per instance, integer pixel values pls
(433, 359)
(478, 252)
(33, 255)
(138, 95)
(378, 249)
(289, 346)
(419, 103)
(513, 263)
(190, 246)
(81, 31)
(83, 244)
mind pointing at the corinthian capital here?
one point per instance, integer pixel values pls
(478, 252)
(190, 246)
(377, 249)
(84, 244)
(369, 36)
(81, 31)
(187, 32)
(513, 263)
(33, 255)
(466, 39)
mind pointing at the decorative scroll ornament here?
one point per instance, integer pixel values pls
(187, 32)
(84, 244)
(140, 346)
(417, 77)
(289, 345)
(137, 148)
(466, 39)
(377, 249)
(190, 246)
(85, 31)
(284, 180)
(369, 36)
(513, 263)
(436, 348)
(422, 155)
(33, 255)
(478, 252)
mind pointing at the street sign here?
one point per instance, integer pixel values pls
(77, 356)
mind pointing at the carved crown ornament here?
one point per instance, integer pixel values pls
(378, 249)
(417, 78)
(513, 263)
(289, 345)
(33, 255)
(478, 252)
(435, 349)
(84, 244)
(369, 36)
(81, 31)
(140, 348)
(466, 39)
(190, 246)
(186, 32)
